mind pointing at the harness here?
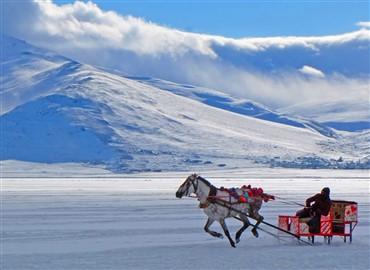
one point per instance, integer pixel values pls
(210, 198)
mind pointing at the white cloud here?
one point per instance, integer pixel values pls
(268, 70)
(364, 24)
(283, 89)
(307, 70)
(86, 25)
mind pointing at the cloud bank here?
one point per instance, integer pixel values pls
(277, 71)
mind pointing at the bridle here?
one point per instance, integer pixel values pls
(192, 179)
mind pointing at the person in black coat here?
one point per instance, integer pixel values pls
(320, 207)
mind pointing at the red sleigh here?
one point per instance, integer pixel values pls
(341, 221)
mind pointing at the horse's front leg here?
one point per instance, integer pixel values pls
(226, 231)
(246, 224)
(213, 233)
(259, 219)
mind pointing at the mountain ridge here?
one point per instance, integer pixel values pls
(240, 106)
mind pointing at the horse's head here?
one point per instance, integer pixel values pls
(189, 186)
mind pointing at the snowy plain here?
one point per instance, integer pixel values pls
(107, 221)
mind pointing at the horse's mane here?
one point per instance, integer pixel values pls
(204, 180)
(213, 189)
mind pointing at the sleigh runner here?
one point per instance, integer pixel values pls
(341, 221)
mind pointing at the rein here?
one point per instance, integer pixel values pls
(220, 197)
(289, 202)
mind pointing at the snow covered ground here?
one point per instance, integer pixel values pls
(135, 222)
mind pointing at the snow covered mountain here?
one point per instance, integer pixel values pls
(237, 105)
(54, 109)
(350, 114)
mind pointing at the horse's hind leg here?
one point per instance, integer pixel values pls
(226, 231)
(213, 233)
(246, 224)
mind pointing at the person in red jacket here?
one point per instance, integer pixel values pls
(320, 207)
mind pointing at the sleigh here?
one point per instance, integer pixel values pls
(341, 221)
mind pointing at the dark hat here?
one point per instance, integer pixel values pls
(325, 190)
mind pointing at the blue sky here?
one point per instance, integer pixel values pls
(247, 18)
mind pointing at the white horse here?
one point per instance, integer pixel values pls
(219, 205)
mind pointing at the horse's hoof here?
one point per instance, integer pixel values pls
(237, 240)
(233, 245)
(219, 235)
(255, 233)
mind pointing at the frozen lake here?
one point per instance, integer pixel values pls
(136, 222)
